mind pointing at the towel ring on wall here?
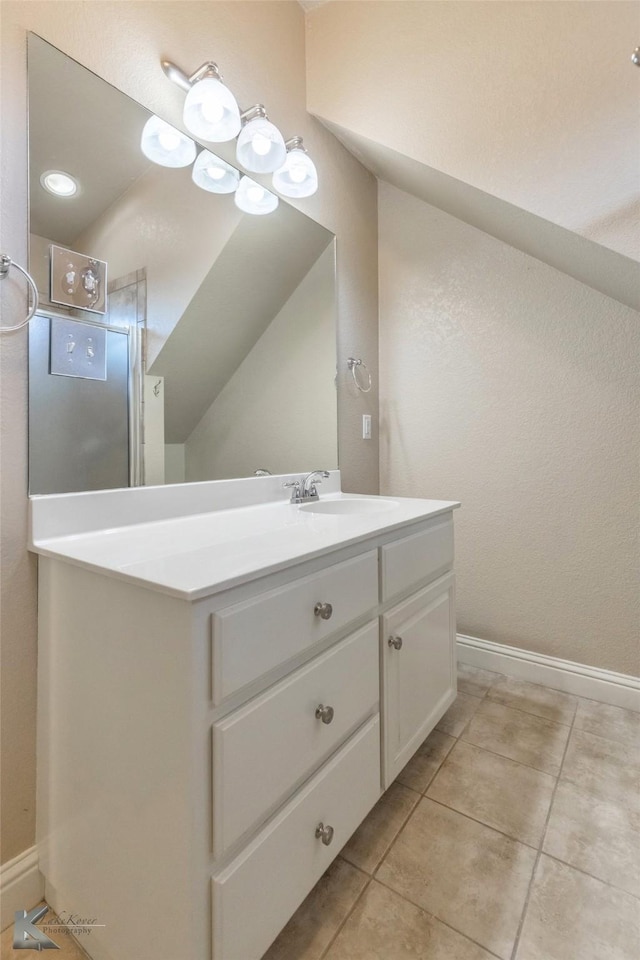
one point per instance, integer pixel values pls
(353, 365)
(5, 263)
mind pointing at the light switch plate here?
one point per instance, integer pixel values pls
(366, 426)
(78, 349)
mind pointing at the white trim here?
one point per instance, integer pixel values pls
(21, 885)
(618, 689)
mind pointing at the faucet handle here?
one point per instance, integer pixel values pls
(296, 495)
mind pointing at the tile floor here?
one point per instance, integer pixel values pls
(513, 833)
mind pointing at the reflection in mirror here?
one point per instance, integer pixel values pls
(220, 326)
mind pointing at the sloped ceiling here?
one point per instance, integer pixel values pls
(260, 266)
(78, 124)
(534, 104)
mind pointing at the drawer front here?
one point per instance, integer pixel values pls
(258, 892)
(262, 751)
(417, 558)
(252, 638)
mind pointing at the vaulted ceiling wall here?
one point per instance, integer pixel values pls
(534, 103)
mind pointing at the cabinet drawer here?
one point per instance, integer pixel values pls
(418, 558)
(262, 751)
(257, 893)
(253, 637)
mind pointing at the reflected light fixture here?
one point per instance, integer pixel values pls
(60, 184)
(261, 147)
(297, 177)
(165, 145)
(210, 109)
(251, 197)
(214, 174)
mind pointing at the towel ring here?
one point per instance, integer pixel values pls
(353, 365)
(5, 263)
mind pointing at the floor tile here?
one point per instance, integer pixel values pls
(384, 926)
(499, 792)
(571, 916)
(604, 768)
(598, 836)
(519, 736)
(533, 698)
(474, 681)
(316, 920)
(613, 723)
(374, 836)
(463, 873)
(426, 761)
(458, 715)
(69, 948)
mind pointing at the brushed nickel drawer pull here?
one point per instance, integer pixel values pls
(324, 713)
(324, 833)
(323, 610)
(395, 642)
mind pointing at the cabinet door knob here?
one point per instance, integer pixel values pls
(324, 713)
(395, 642)
(324, 833)
(323, 610)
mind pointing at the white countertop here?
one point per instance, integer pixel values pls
(200, 554)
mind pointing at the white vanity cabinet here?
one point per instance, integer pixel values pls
(202, 761)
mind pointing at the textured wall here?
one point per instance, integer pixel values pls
(514, 388)
(531, 102)
(260, 48)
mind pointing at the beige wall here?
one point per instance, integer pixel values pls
(260, 48)
(531, 102)
(514, 388)
(281, 401)
(154, 225)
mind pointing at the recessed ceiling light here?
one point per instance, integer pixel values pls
(59, 183)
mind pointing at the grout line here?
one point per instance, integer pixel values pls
(355, 903)
(592, 876)
(435, 916)
(525, 908)
(478, 746)
(482, 823)
(528, 713)
(501, 756)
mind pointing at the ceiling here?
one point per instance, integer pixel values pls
(246, 287)
(77, 125)
(531, 105)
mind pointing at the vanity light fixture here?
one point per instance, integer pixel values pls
(165, 145)
(60, 184)
(210, 109)
(251, 197)
(297, 177)
(261, 147)
(214, 174)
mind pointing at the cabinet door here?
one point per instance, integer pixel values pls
(419, 670)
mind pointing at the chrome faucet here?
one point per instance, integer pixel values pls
(305, 491)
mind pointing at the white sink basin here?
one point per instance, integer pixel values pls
(350, 506)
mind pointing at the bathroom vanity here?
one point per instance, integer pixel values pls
(227, 684)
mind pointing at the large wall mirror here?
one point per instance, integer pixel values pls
(215, 355)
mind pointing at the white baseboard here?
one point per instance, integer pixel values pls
(618, 689)
(21, 885)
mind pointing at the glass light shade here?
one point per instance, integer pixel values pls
(261, 146)
(213, 174)
(297, 177)
(251, 197)
(211, 112)
(165, 145)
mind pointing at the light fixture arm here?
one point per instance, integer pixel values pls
(295, 143)
(252, 113)
(181, 79)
